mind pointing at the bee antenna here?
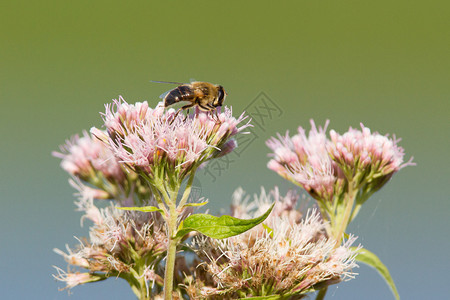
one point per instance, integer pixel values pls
(170, 82)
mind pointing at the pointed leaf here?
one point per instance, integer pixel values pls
(370, 259)
(219, 227)
(268, 229)
(271, 297)
(195, 204)
(143, 208)
(93, 277)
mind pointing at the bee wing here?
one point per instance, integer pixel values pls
(163, 95)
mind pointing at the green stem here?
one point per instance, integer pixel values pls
(171, 252)
(187, 191)
(359, 202)
(136, 280)
(169, 194)
(344, 220)
(327, 215)
(172, 219)
(167, 199)
(321, 294)
(134, 284)
(157, 190)
(143, 289)
(136, 290)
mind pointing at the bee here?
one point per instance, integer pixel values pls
(206, 96)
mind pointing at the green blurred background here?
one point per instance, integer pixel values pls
(384, 63)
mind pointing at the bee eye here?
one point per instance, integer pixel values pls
(221, 96)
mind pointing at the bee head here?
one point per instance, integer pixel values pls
(220, 96)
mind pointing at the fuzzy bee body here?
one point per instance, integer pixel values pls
(205, 95)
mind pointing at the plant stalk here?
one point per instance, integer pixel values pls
(321, 294)
(172, 248)
(187, 191)
(344, 220)
(170, 268)
(136, 279)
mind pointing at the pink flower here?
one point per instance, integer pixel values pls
(112, 237)
(74, 279)
(87, 157)
(154, 140)
(73, 258)
(322, 166)
(288, 260)
(377, 156)
(90, 159)
(304, 160)
(246, 207)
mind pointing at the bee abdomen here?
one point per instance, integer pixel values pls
(181, 93)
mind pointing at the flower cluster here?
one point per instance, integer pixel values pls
(323, 167)
(373, 156)
(90, 160)
(159, 142)
(121, 244)
(285, 257)
(141, 159)
(304, 160)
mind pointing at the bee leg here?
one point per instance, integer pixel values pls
(217, 116)
(203, 107)
(214, 114)
(175, 116)
(211, 113)
(186, 107)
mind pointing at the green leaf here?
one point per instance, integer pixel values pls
(370, 259)
(142, 208)
(93, 277)
(219, 227)
(271, 297)
(195, 204)
(268, 229)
